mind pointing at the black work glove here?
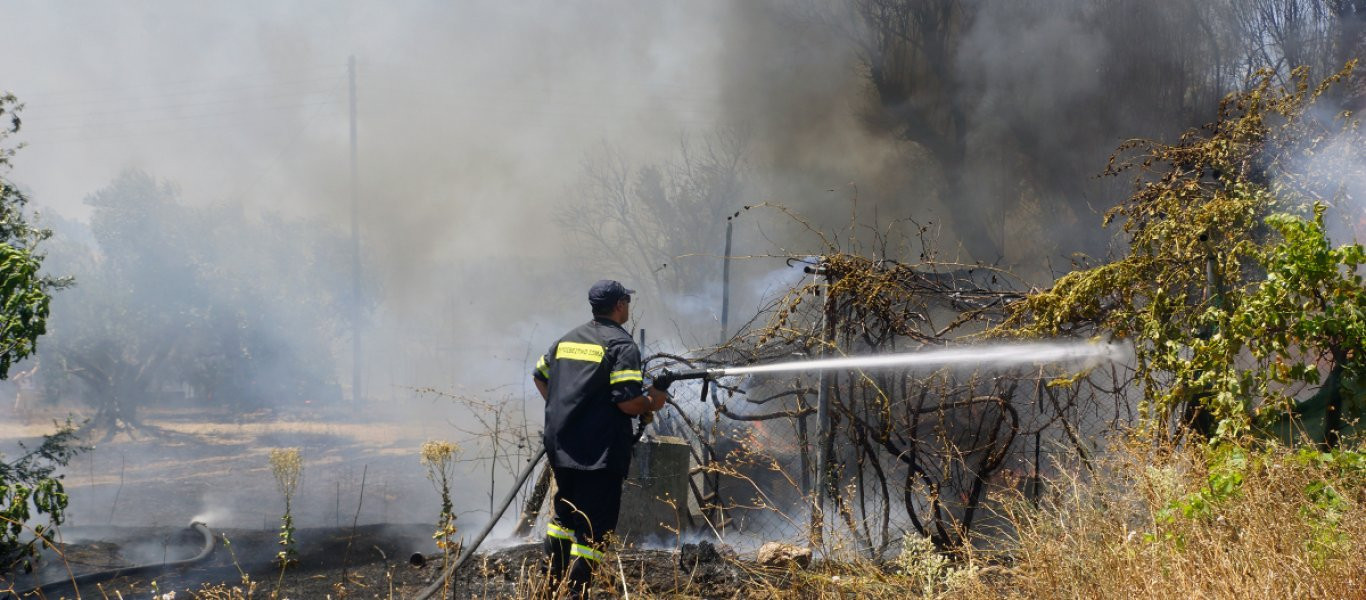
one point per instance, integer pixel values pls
(661, 382)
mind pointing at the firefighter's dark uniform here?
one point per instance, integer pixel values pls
(587, 439)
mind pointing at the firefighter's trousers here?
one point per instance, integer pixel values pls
(585, 505)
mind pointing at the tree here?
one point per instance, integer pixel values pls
(1319, 34)
(642, 219)
(133, 309)
(243, 313)
(24, 292)
(1015, 100)
(1229, 294)
(1012, 102)
(1307, 316)
(28, 485)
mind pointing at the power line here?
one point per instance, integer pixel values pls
(517, 83)
(275, 162)
(42, 112)
(105, 99)
(171, 84)
(697, 119)
(573, 107)
(179, 130)
(178, 117)
(570, 112)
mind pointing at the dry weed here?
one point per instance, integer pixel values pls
(1234, 522)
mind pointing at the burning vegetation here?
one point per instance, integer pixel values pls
(1176, 416)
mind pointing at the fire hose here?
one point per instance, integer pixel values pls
(137, 570)
(436, 586)
(465, 555)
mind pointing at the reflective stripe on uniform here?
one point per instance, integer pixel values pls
(583, 551)
(543, 368)
(558, 532)
(624, 376)
(579, 351)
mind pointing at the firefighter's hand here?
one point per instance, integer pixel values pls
(647, 418)
(661, 382)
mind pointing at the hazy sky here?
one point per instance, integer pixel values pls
(470, 112)
(475, 118)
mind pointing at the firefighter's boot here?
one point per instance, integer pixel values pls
(585, 560)
(559, 543)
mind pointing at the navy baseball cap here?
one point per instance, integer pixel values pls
(606, 292)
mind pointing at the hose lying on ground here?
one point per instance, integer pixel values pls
(436, 586)
(46, 589)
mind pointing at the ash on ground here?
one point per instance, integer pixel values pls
(701, 570)
(378, 561)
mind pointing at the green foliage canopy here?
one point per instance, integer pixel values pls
(1229, 291)
(24, 298)
(28, 485)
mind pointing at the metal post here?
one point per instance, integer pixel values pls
(823, 412)
(356, 393)
(1034, 482)
(804, 441)
(643, 369)
(725, 285)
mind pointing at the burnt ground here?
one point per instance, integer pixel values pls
(368, 562)
(131, 500)
(668, 573)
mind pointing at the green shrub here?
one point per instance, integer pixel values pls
(30, 489)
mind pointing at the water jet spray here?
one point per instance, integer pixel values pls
(996, 355)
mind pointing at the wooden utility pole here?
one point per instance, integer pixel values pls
(356, 393)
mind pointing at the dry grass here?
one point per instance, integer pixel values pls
(1265, 523)
(1245, 524)
(1240, 523)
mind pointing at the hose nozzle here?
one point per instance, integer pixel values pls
(694, 374)
(667, 377)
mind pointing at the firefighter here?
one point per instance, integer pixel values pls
(592, 384)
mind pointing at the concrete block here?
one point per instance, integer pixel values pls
(654, 499)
